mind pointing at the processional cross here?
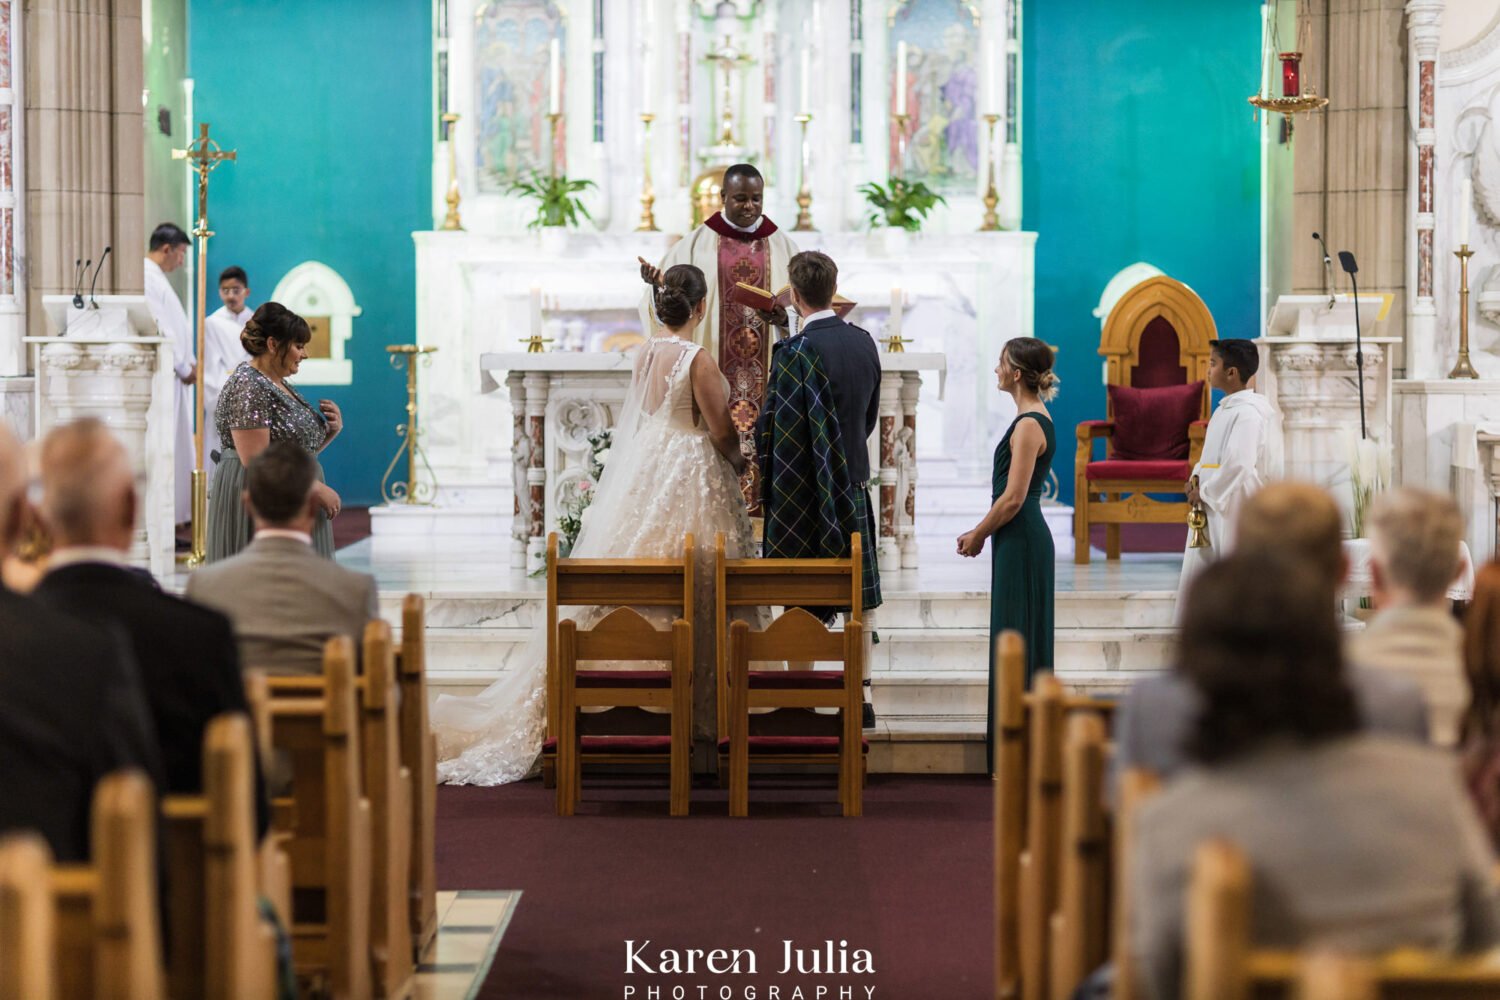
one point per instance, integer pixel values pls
(204, 154)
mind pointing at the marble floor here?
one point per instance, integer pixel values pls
(470, 925)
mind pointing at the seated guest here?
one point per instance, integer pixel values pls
(1414, 558)
(1302, 523)
(185, 654)
(1481, 722)
(71, 706)
(1359, 842)
(284, 599)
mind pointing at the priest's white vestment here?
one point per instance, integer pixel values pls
(222, 354)
(172, 321)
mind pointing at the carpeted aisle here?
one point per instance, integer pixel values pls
(910, 882)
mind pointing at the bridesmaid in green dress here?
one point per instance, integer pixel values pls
(1021, 560)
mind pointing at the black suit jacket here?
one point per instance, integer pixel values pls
(186, 656)
(853, 367)
(72, 709)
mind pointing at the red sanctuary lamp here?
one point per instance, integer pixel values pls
(1291, 74)
(1292, 98)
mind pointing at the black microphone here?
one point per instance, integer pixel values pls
(1327, 268)
(78, 266)
(1346, 261)
(94, 284)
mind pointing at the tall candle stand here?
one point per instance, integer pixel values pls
(648, 192)
(901, 121)
(1463, 368)
(412, 491)
(991, 221)
(451, 220)
(554, 121)
(804, 196)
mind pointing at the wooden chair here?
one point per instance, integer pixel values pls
(108, 938)
(1137, 785)
(274, 866)
(609, 583)
(28, 933)
(1157, 335)
(1222, 964)
(419, 755)
(329, 822)
(1079, 934)
(624, 636)
(221, 949)
(790, 583)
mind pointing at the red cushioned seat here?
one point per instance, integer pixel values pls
(772, 745)
(820, 680)
(624, 678)
(1115, 468)
(616, 744)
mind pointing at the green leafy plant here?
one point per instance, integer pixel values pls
(556, 197)
(903, 206)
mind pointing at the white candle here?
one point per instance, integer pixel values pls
(806, 103)
(898, 305)
(536, 311)
(1465, 199)
(646, 94)
(900, 78)
(554, 75)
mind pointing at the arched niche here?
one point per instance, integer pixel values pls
(318, 294)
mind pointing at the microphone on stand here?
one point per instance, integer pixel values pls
(1327, 268)
(79, 267)
(93, 284)
(1346, 261)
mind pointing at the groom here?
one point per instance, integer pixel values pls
(822, 402)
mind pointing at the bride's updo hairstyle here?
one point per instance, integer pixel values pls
(682, 288)
(1032, 360)
(274, 321)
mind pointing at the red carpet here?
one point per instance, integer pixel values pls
(352, 525)
(910, 882)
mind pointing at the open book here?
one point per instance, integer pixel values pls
(758, 298)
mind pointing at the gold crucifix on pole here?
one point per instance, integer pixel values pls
(204, 154)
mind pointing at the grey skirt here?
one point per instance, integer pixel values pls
(229, 526)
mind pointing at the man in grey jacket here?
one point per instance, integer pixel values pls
(284, 600)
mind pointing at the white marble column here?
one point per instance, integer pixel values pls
(12, 279)
(1424, 25)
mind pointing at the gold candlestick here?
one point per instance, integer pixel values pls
(901, 121)
(534, 343)
(411, 491)
(451, 220)
(804, 196)
(893, 344)
(553, 122)
(991, 221)
(648, 193)
(1463, 368)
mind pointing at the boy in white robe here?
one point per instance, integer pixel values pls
(1241, 453)
(222, 350)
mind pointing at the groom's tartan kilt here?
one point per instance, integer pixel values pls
(810, 506)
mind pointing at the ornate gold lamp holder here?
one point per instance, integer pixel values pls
(991, 221)
(1463, 367)
(418, 489)
(648, 192)
(1292, 100)
(804, 196)
(451, 220)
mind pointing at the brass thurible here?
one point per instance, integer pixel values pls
(1197, 522)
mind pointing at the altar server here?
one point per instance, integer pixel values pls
(168, 252)
(1241, 453)
(222, 350)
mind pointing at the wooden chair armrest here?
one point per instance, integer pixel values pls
(1197, 430)
(1091, 430)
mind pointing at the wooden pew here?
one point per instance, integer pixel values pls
(1009, 779)
(221, 949)
(1222, 964)
(624, 635)
(28, 933)
(1137, 785)
(419, 754)
(1080, 924)
(330, 827)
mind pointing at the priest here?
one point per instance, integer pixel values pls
(167, 252)
(738, 244)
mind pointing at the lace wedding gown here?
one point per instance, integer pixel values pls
(663, 479)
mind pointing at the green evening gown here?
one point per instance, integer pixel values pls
(1022, 572)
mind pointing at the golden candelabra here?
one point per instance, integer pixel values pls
(901, 121)
(412, 491)
(204, 154)
(554, 121)
(451, 220)
(1463, 368)
(991, 221)
(804, 196)
(1197, 522)
(648, 192)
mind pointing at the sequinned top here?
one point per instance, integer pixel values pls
(251, 401)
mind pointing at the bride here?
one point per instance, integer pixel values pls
(673, 468)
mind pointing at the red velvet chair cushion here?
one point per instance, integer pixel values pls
(819, 680)
(1114, 469)
(1152, 424)
(615, 744)
(624, 678)
(773, 745)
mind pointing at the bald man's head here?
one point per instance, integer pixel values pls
(12, 486)
(1297, 521)
(88, 488)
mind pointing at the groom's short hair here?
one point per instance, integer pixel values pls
(815, 277)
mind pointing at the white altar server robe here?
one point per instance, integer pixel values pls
(1241, 453)
(172, 320)
(222, 354)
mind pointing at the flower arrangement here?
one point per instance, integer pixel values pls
(575, 502)
(904, 206)
(1369, 474)
(557, 198)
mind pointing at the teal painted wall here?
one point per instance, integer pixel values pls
(1137, 146)
(328, 105)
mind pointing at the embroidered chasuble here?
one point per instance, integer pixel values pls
(736, 337)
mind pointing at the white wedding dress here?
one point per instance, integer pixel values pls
(663, 479)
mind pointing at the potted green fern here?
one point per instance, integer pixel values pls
(558, 204)
(901, 206)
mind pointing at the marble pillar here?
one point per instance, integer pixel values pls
(1424, 23)
(12, 316)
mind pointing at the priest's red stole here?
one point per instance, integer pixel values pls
(744, 347)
